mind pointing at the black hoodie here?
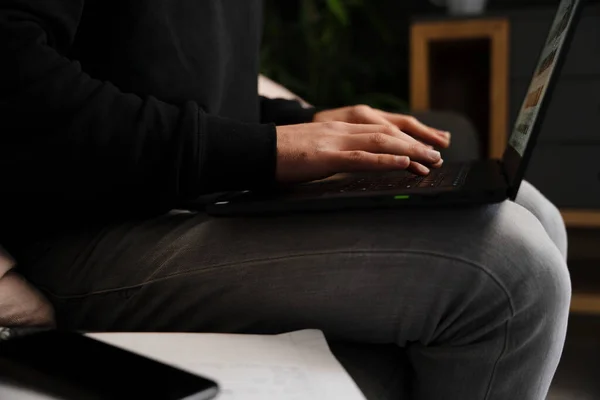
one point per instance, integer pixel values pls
(131, 104)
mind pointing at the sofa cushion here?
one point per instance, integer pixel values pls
(6, 261)
(273, 90)
(21, 305)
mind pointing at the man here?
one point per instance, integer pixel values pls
(118, 113)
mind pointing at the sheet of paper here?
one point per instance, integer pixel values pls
(293, 366)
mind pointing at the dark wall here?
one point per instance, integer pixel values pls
(368, 64)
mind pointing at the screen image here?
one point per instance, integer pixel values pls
(539, 85)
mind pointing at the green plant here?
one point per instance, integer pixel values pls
(336, 52)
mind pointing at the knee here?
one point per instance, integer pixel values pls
(546, 212)
(529, 264)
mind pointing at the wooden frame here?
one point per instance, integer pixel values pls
(582, 303)
(498, 32)
(581, 218)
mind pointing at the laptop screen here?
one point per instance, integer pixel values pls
(528, 120)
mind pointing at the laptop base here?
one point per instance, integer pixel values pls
(484, 184)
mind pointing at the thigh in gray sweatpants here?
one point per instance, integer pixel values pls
(478, 298)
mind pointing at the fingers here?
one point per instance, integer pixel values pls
(368, 115)
(382, 125)
(409, 124)
(438, 164)
(362, 161)
(349, 128)
(376, 123)
(379, 124)
(380, 143)
(417, 129)
(418, 169)
(385, 128)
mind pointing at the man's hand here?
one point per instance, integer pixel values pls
(406, 126)
(366, 115)
(315, 151)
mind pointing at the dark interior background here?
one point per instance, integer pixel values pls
(341, 52)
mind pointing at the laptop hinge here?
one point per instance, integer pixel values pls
(509, 190)
(503, 169)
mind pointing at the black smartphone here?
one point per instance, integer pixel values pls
(71, 365)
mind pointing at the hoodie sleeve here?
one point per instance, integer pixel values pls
(285, 112)
(67, 136)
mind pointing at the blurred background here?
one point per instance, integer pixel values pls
(467, 64)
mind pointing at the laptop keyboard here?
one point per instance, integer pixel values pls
(440, 178)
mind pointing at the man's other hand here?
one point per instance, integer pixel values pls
(315, 151)
(366, 115)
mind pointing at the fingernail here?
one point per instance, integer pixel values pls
(423, 169)
(447, 134)
(434, 155)
(403, 160)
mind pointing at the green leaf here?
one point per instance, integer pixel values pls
(333, 65)
(338, 9)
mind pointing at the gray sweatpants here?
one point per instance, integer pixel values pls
(456, 304)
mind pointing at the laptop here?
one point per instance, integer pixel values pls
(478, 182)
